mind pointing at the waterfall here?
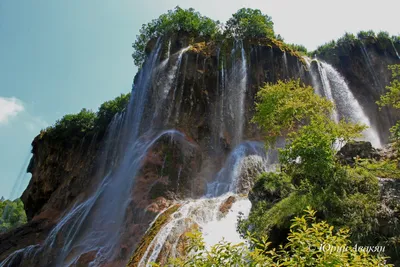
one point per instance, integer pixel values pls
(348, 105)
(395, 50)
(236, 91)
(22, 179)
(285, 64)
(335, 88)
(227, 178)
(368, 62)
(204, 214)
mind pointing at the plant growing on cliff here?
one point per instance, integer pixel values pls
(392, 99)
(178, 19)
(283, 107)
(392, 96)
(12, 214)
(73, 127)
(250, 23)
(309, 160)
(309, 243)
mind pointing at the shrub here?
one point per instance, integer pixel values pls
(73, 127)
(309, 243)
(250, 23)
(12, 214)
(186, 20)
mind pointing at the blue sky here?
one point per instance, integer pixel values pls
(58, 56)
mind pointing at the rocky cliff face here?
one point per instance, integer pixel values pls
(202, 103)
(364, 64)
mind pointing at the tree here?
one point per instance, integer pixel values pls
(310, 243)
(285, 106)
(392, 99)
(12, 214)
(186, 20)
(250, 23)
(310, 172)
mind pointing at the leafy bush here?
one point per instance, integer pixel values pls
(392, 97)
(250, 23)
(300, 48)
(383, 168)
(309, 162)
(284, 106)
(108, 109)
(309, 243)
(344, 44)
(73, 127)
(12, 214)
(187, 20)
(366, 34)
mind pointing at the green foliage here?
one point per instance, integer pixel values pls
(108, 109)
(383, 168)
(12, 214)
(366, 34)
(345, 43)
(310, 243)
(284, 106)
(299, 48)
(314, 146)
(186, 20)
(343, 196)
(250, 23)
(392, 97)
(73, 127)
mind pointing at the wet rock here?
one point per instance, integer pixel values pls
(361, 149)
(227, 204)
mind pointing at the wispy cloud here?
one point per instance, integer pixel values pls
(9, 108)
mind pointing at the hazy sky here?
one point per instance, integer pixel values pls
(58, 56)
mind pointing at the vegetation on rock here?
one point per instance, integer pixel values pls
(150, 234)
(246, 23)
(250, 23)
(311, 174)
(345, 43)
(12, 214)
(309, 243)
(186, 20)
(73, 127)
(392, 99)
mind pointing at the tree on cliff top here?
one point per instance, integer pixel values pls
(250, 23)
(178, 19)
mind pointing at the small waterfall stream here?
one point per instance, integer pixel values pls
(370, 66)
(336, 89)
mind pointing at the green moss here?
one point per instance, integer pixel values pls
(150, 235)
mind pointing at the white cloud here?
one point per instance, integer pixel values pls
(9, 107)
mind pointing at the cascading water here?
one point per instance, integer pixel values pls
(336, 89)
(22, 178)
(285, 63)
(370, 67)
(395, 50)
(348, 105)
(206, 213)
(236, 91)
(97, 225)
(226, 179)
